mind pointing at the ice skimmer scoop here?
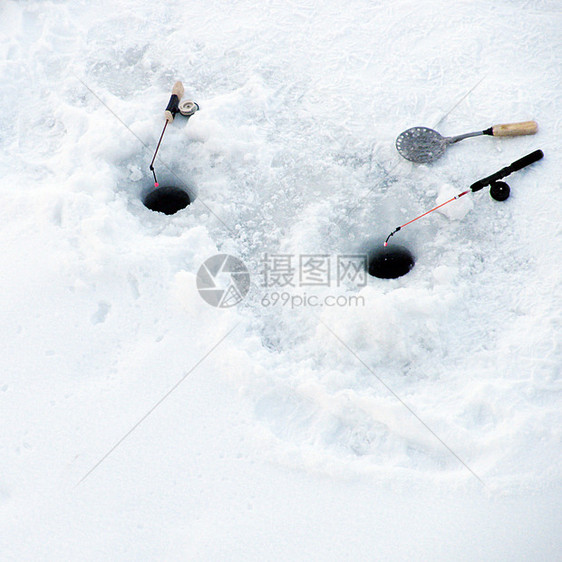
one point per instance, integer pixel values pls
(422, 145)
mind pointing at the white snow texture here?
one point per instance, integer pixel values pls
(421, 421)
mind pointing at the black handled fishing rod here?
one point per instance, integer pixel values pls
(514, 167)
(477, 186)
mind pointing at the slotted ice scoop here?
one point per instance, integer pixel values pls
(422, 145)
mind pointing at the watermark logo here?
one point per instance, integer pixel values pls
(223, 281)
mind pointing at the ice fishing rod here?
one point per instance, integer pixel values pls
(498, 190)
(187, 108)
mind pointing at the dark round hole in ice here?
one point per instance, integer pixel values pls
(499, 190)
(168, 200)
(390, 262)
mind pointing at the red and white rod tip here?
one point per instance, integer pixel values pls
(391, 234)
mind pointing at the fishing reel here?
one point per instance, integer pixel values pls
(188, 107)
(499, 190)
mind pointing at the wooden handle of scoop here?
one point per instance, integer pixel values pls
(515, 129)
(172, 109)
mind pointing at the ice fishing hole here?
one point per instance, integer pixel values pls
(390, 262)
(168, 200)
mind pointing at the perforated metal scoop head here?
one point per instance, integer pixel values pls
(421, 144)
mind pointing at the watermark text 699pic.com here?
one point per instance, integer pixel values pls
(294, 300)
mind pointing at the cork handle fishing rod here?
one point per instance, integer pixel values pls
(173, 104)
(171, 110)
(514, 129)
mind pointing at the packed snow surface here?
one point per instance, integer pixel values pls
(418, 419)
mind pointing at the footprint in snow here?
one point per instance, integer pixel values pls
(101, 313)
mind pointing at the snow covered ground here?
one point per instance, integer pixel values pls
(422, 421)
